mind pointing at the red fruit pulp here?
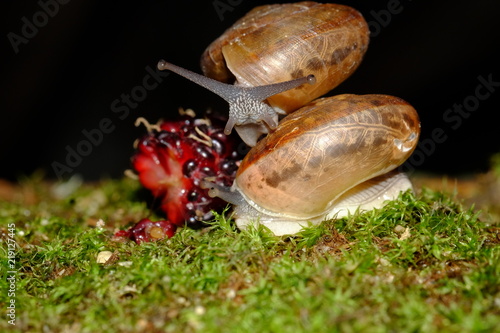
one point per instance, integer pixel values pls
(172, 162)
(147, 231)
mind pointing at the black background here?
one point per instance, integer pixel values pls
(64, 79)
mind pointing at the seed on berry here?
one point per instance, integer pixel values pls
(229, 167)
(218, 146)
(208, 172)
(189, 167)
(193, 195)
(204, 153)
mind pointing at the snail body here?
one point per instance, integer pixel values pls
(245, 102)
(331, 157)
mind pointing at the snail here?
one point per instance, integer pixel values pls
(275, 49)
(328, 159)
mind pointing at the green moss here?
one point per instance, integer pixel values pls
(422, 263)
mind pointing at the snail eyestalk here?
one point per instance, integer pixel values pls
(246, 104)
(263, 92)
(225, 193)
(229, 126)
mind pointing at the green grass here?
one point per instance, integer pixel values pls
(421, 264)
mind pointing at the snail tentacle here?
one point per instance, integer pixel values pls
(223, 90)
(225, 193)
(263, 92)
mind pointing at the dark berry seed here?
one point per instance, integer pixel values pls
(189, 132)
(218, 146)
(237, 155)
(219, 135)
(187, 127)
(189, 167)
(192, 196)
(208, 172)
(228, 167)
(148, 146)
(187, 122)
(192, 221)
(204, 152)
(167, 138)
(147, 141)
(163, 134)
(203, 128)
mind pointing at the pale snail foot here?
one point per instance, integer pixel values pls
(371, 194)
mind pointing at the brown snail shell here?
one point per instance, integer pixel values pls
(276, 43)
(321, 157)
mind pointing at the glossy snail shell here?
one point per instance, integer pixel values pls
(330, 154)
(276, 43)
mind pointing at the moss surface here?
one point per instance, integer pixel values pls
(422, 264)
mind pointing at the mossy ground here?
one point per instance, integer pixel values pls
(424, 263)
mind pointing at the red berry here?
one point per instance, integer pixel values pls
(172, 162)
(147, 231)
